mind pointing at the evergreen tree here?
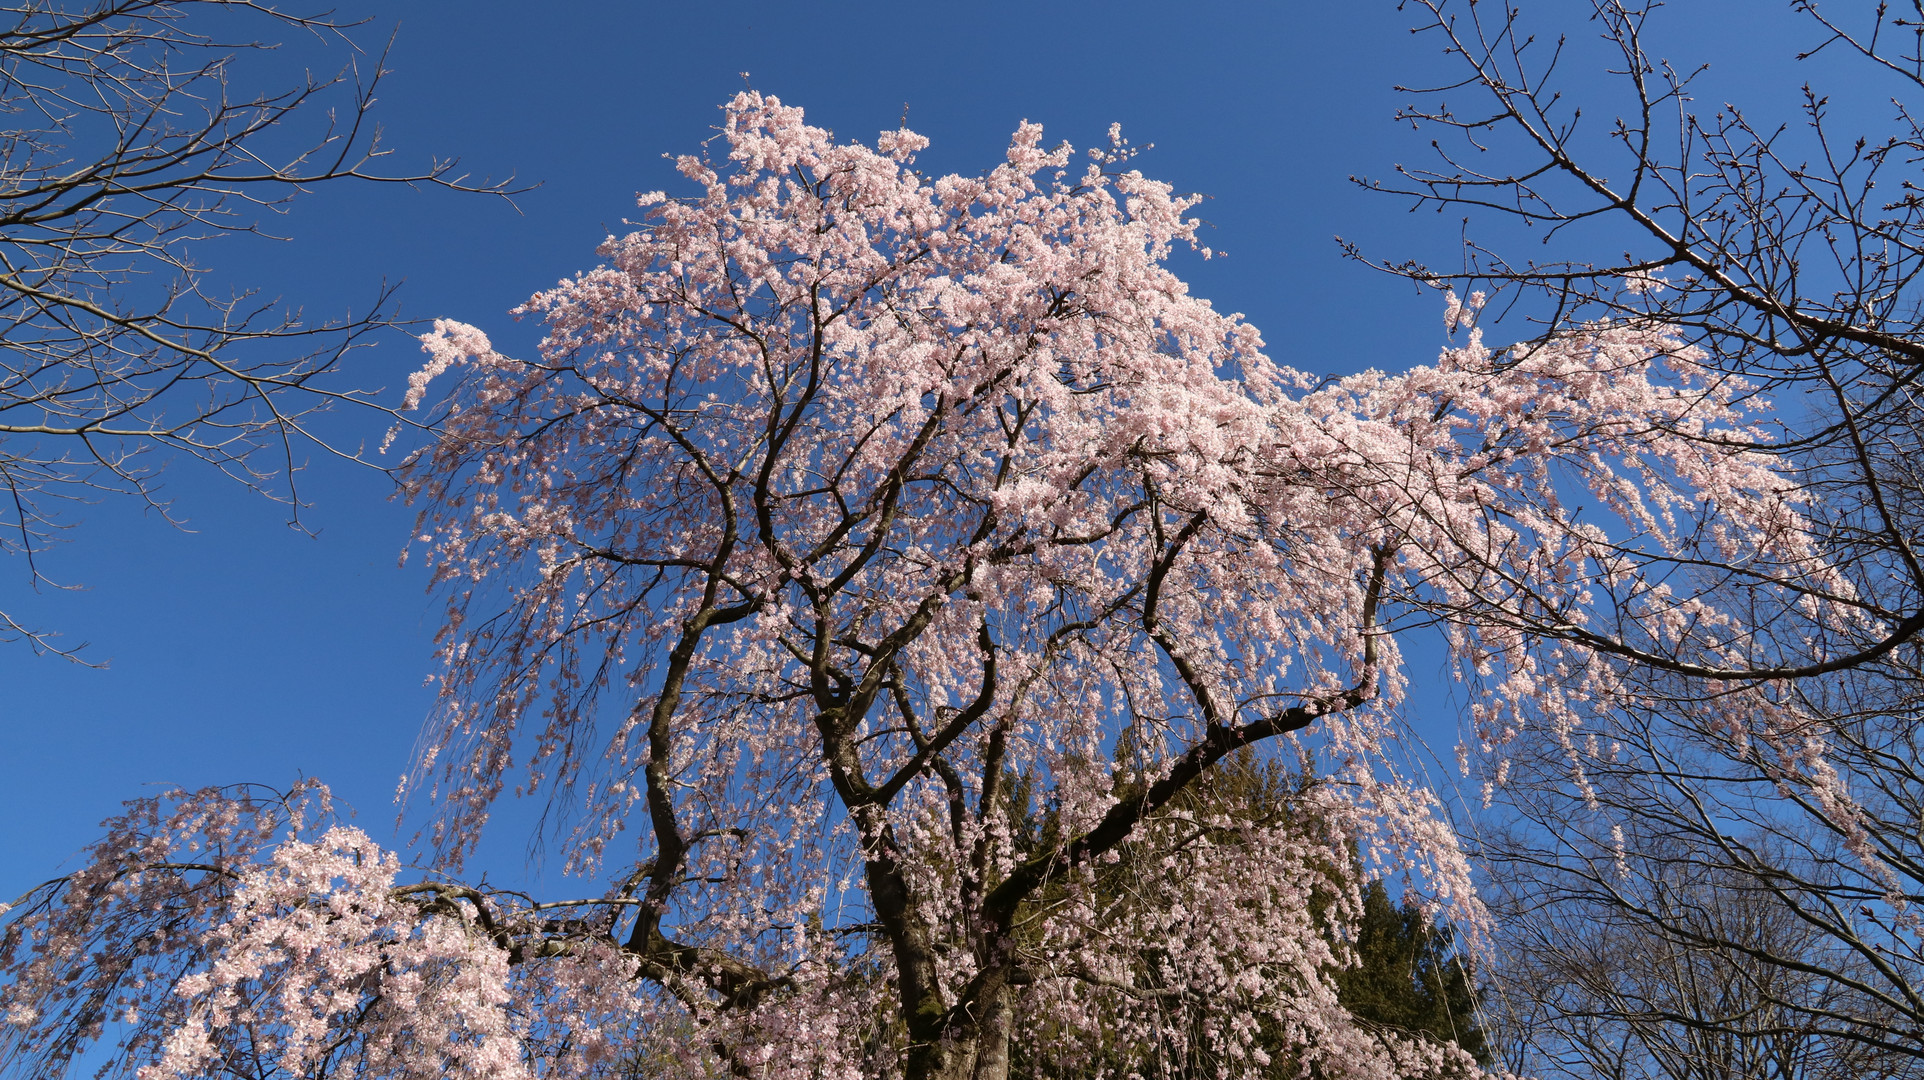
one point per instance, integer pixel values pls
(1407, 979)
(1409, 976)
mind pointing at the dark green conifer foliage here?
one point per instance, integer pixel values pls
(1409, 977)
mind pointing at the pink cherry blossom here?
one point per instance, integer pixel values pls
(871, 567)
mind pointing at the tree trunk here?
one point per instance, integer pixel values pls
(974, 1042)
(992, 1029)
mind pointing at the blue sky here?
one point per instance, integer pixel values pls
(240, 649)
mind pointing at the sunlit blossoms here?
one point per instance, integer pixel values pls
(898, 582)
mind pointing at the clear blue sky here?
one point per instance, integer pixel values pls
(244, 650)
